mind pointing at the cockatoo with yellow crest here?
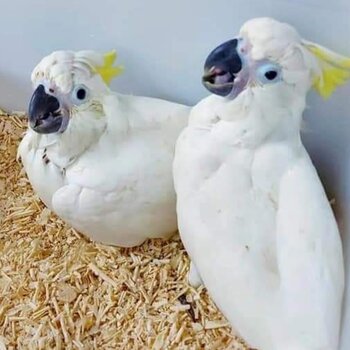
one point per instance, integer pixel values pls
(252, 212)
(101, 161)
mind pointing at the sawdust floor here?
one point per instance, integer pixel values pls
(59, 290)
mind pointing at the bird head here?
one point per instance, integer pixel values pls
(68, 85)
(269, 58)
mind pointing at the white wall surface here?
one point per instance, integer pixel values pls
(163, 45)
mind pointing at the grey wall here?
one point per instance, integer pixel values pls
(163, 45)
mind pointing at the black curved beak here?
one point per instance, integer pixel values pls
(221, 67)
(44, 112)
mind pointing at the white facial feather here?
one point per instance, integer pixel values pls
(65, 68)
(269, 38)
(281, 43)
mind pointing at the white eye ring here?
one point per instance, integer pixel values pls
(269, 73)
(80, 94)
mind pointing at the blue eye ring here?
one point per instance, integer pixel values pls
(80, 94)
(269, 73)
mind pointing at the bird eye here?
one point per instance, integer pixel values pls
(269, 73)
(80, 94)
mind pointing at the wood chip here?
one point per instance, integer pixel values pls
(216, 324)
(66, 293)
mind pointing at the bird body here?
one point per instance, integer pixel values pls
(257, 225)
(109, 173)
(252, 212)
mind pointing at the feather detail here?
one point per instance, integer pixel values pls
(107, 71)
(334, 69)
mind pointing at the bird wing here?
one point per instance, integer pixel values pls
(309, 258)
(279, 258)
(228, 229)
(146, 113)
(120, 191)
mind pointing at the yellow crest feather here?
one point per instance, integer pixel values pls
(107, 71)
(335, 69)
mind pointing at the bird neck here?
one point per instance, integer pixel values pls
(81, 134)
(253, 116)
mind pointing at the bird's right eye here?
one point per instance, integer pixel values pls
(80, 94)
(269, 73)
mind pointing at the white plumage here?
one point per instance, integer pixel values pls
(252, 212)
(109, 173)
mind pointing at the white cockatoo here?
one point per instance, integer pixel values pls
(101, 161)
(252, 212)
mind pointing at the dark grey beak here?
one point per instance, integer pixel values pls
(44, 112)
(221, 67)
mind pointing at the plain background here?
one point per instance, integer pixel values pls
(163, 45)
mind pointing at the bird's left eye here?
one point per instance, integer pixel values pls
(80, 94)
(269, 73)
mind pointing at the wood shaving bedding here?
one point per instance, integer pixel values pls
(59, 290)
